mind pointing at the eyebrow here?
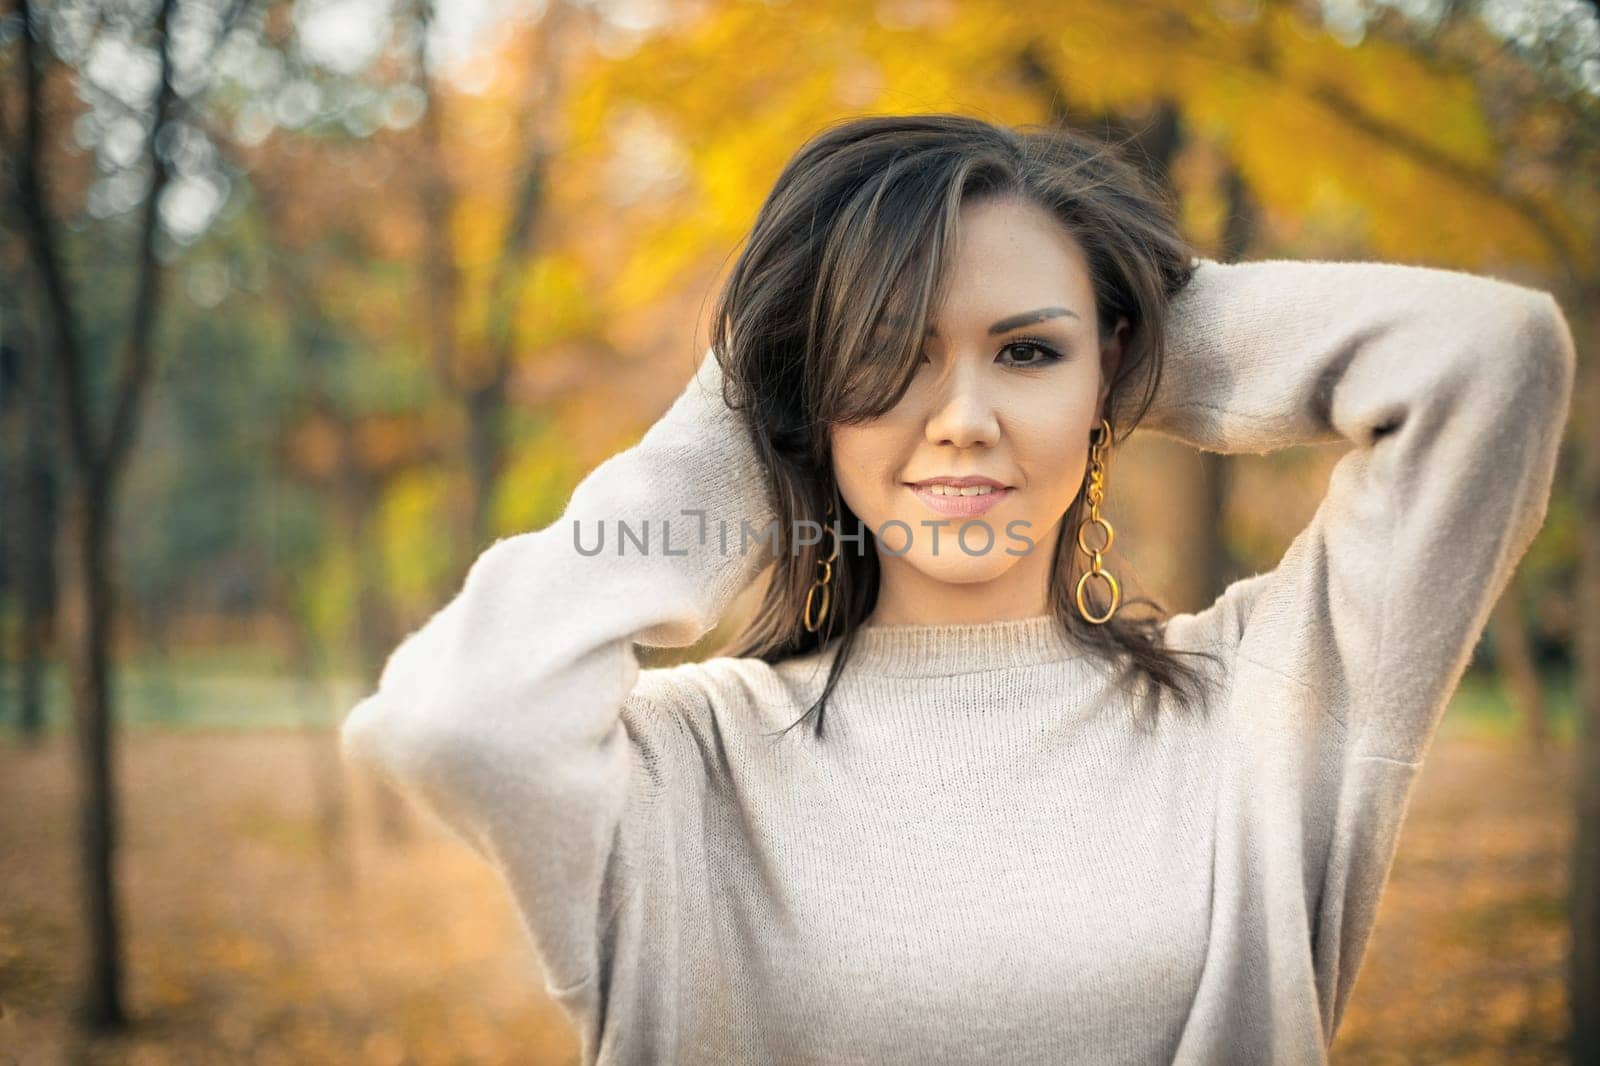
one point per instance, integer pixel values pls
(1005, 325)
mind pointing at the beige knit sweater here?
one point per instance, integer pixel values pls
(997, 852)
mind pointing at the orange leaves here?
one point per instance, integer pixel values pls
(1373, 144)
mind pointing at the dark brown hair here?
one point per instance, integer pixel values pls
(855, 234)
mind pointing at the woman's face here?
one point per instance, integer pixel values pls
(1012, 381)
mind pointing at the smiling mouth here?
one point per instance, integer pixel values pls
(963, 501)
(939, 488)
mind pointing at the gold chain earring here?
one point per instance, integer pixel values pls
(1100, 440)
(824, 582)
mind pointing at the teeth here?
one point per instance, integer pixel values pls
(951, 490)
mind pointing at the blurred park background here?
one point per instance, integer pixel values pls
(304, 303)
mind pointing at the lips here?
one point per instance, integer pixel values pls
(964, 481)
(961, 506)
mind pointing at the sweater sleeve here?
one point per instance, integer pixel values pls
(503, 713)
(1452, 389)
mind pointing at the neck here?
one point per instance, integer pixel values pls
(908, 595)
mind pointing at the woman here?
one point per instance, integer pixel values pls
(1037, 828)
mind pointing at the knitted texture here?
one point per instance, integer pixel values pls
(1001, 849)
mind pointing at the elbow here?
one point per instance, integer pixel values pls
(370, 738)
(360, 735)
(1559, 352)
(1534, 395)
(380, 736)
(1515, 382)
(437, 767)
(1541, 360)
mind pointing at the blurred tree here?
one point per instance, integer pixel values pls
(29, 455)
(96, 464)
(143, 100)
(469, 286)
(481, 239)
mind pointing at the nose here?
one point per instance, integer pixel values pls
(962, 412)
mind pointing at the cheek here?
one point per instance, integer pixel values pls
(864, 458)
(1051, 443)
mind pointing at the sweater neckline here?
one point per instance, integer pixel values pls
(931, 649)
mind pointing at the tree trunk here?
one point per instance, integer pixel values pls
(376, 630)
(36, 555)
(327, 780)
(88, 606)
(486, 411)
(26, 400)
(1212, 551)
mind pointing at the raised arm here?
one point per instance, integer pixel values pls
(1453, 389)
(502, 713)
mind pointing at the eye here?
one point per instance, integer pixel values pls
(1041, 353)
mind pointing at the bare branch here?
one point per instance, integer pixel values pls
(40, 226)
(521, 235)
(136, 352)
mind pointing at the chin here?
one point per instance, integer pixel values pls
(955, 567)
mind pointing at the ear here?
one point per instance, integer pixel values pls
(1110, 359)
